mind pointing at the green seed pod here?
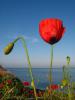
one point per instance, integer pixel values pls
(68, 59)
(32, 83)
(8, 48)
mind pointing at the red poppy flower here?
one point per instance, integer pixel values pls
(1, 85)
(54, 87)
(26, 83)
(51, 30)
(31, 91)
(24, 89)
(9, 81)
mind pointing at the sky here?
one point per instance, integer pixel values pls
(21, 18)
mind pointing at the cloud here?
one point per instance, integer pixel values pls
(31, 39)
(35, 40)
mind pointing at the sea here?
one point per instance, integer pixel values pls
(41, 75)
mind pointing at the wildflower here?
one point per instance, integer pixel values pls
(9, 81)
(54, 87)
(64, 82)
(61, 87)
(31, 92)
(24, 89)
(1, 85)
(26, 83)
(51, 30)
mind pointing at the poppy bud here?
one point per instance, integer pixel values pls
(32, 84)
(8, 48)
(68, 59)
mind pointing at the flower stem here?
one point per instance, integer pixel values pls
(69, 84)
(51, 62)
(28, 59)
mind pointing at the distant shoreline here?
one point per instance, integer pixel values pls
(39, 67)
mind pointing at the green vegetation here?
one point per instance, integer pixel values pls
(14, 89)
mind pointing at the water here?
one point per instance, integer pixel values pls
(41, 75)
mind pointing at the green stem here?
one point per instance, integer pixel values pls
(51, 62)
(28, 59)
(63, 73)
(16, 39)
(68, 76)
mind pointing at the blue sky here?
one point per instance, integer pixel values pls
(22, 17)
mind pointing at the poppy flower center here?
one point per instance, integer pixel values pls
(53, 40)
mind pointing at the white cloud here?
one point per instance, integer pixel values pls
(30, 39)
(35, 40)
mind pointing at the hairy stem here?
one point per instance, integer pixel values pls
(28, 59)
(69, 84)
(51, 62)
